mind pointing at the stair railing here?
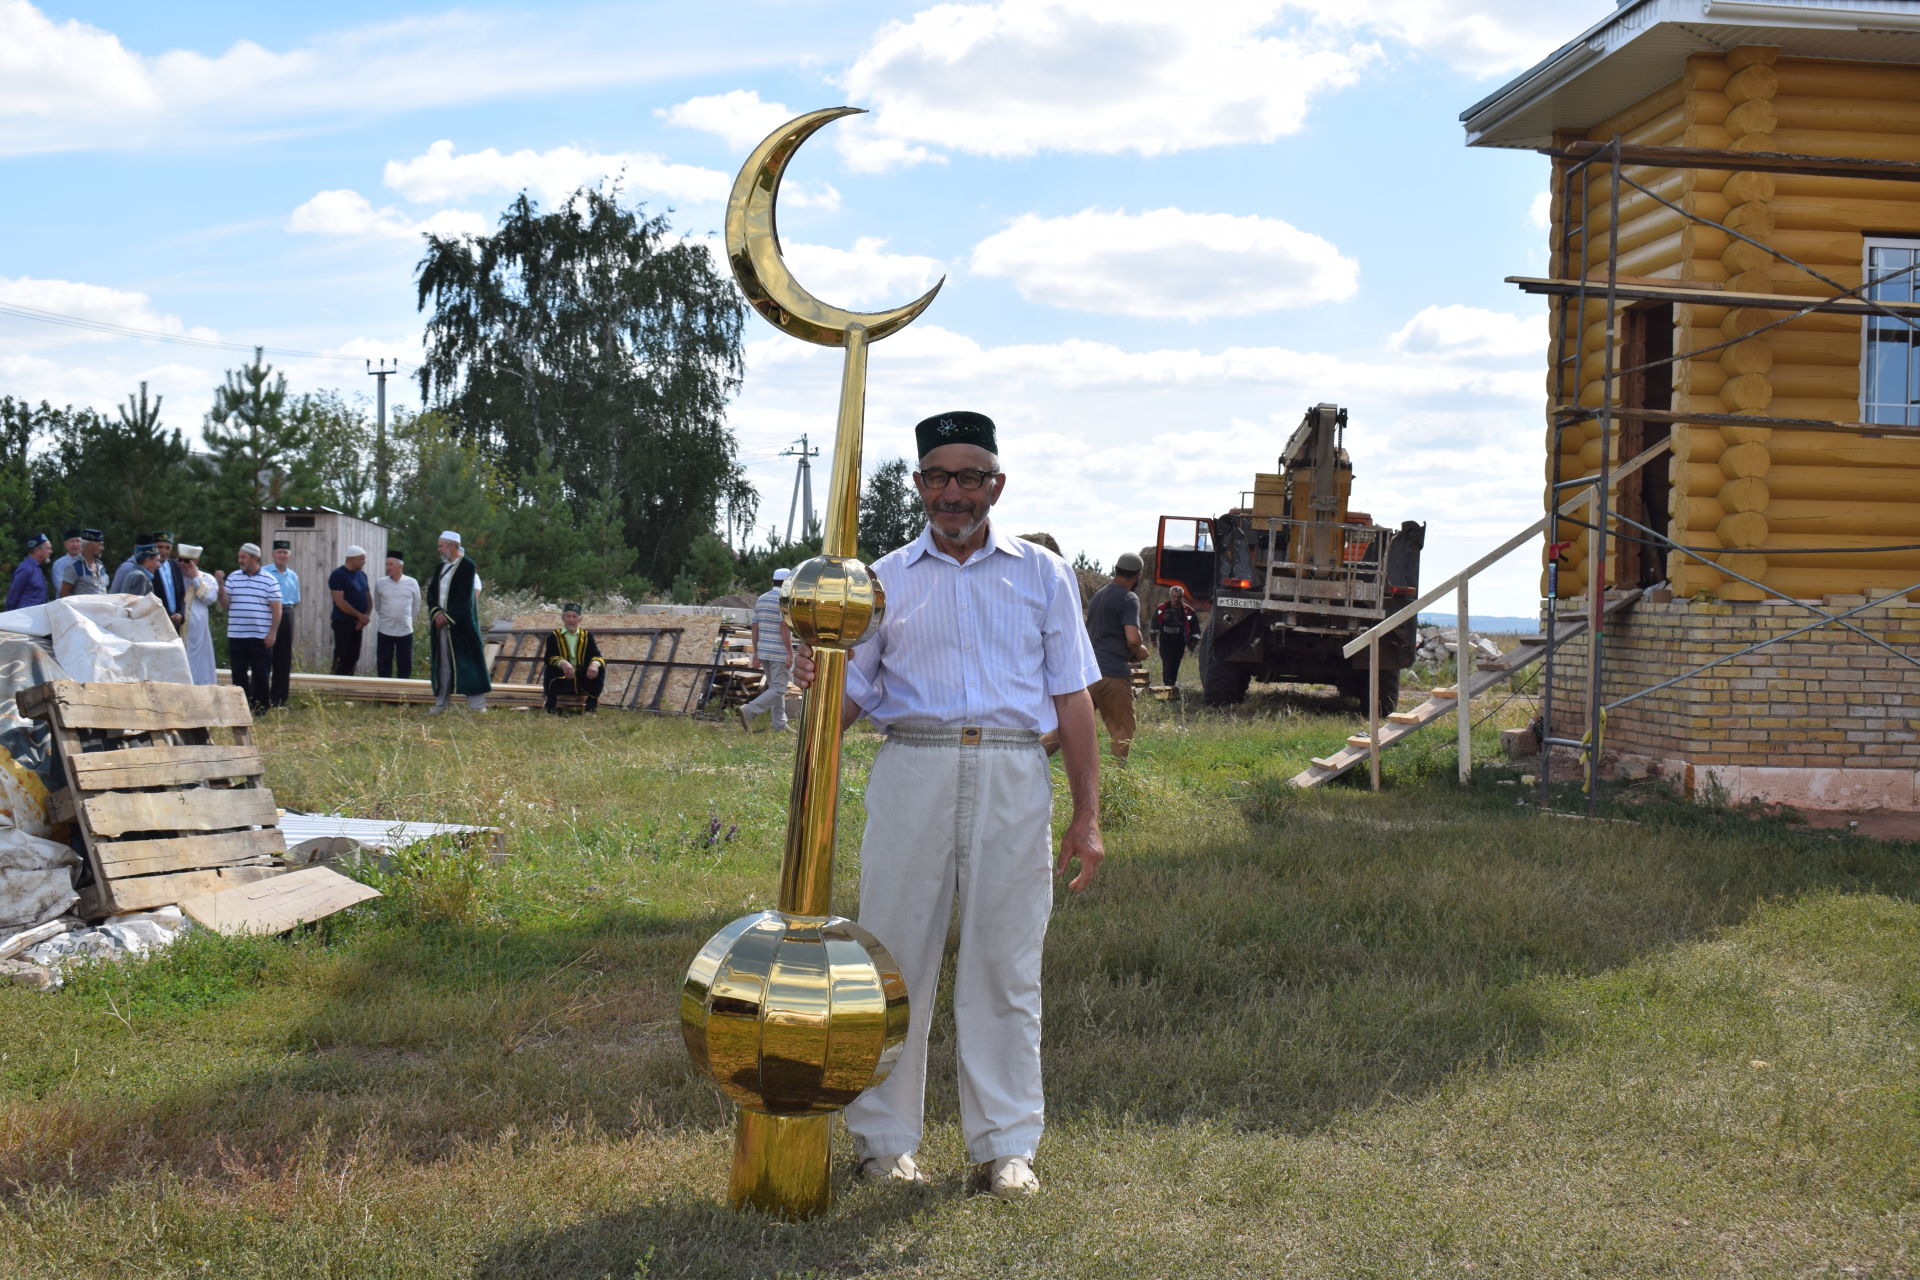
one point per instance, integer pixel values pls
(1586, 496)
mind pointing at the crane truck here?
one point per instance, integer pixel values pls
(1293, 573)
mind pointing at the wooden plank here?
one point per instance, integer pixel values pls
(276, 905)
(117, 859)
(1872, 429)
(1747, 161)
(162, 767)
(140, 893)
(115, 813)
(1596, 291)
(141, 706)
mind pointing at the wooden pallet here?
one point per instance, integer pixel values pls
(166, 814)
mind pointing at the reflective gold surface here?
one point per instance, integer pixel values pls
(794, 1015)
(753, 247)
(793, 1012)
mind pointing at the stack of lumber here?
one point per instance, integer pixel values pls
(169, 816)
(375, 689)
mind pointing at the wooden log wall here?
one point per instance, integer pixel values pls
(1765, 491)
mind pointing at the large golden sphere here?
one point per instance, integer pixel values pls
(794, 1015)
(832, 602)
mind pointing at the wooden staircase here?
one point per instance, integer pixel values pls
(1401, 725)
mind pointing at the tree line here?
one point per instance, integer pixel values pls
(576, 372)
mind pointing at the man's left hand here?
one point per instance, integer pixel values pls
(1081, 842)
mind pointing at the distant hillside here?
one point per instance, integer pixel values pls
(1485, 624)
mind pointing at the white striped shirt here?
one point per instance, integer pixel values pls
(250, 597)
(989, 642)
(767, 645)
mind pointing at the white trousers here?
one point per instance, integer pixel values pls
(972, 826)
(773, 698)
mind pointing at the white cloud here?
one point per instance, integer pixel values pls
(1481, 37)
(1107, 76)
(70, 85)
(1540, 213)
(1166, 262)
(863, 276)
(442, 173)
(349, 214)
(84, 303)
(1456, 330)
(739, 117)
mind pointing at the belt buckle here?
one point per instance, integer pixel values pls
(970, 735)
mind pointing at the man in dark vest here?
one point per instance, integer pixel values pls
(572, 664)
(459, 656)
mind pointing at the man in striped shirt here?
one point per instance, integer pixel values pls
(252, 599)
(772, 650)
(980, 652)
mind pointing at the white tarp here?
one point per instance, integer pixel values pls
(36, 878)
(118, 638)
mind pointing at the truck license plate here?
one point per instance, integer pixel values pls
(1237, 602)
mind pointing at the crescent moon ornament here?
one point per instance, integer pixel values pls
(795, 1011)
(753, 247)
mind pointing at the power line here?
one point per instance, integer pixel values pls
(152, 335)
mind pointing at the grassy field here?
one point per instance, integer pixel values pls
(1423, 1033)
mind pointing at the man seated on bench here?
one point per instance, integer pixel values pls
(573, 667)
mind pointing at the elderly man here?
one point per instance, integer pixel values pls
(1113, 624)
(453, 602)
(981, 651)
(252, 599)
(571, 664)
(396, 599)
(29, 585)
(86, 574)
(72, 544)
(202, 589)
(135, 576)
(773, 655)
(352, 609)
(288, 580)
(1179, 631)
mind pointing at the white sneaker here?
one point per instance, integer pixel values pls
(900, 1168)
(1007, 1178)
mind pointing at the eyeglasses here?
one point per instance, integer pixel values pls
(935, 479)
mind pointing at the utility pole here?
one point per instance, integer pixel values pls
(802, 483)
(386, 369)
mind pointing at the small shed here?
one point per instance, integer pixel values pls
(320, 538)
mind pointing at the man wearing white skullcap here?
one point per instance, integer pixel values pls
(459, 656)
(202, 588)
(352, 610)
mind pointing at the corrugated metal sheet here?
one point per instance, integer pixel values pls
(371, 833)
(1640, 48)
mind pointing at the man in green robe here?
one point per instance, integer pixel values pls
(453, 603)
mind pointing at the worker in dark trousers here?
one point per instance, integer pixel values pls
(1179, 631)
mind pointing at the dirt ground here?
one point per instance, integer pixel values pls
(1876, 824)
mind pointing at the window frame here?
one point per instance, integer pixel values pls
(1867, 408)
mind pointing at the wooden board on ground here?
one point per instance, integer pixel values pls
(405, 692)
(142, 707)
(143, 893)
(276, 905)
(699, 641)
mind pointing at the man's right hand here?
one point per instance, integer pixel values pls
(803, 667)
(439, 619)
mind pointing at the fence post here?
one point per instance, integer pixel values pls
(1373, 711)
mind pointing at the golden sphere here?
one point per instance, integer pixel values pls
(832, 602)
(794, 1015)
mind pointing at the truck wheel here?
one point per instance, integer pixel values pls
(1354, 689)
(1222, 684)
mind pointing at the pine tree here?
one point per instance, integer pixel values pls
(259, 442)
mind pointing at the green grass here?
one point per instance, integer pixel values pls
(1425, 1032)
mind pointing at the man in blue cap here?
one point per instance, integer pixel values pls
(135, 577)
(980, 652)
(29, 585)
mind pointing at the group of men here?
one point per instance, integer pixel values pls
(261, 597)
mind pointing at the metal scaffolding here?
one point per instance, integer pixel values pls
(1576, 284)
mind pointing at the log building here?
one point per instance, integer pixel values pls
(1735, 236)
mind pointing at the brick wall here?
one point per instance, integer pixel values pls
(1826, 699)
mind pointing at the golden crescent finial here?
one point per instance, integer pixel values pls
(753, 247)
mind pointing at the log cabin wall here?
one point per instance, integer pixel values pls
(1767, 491)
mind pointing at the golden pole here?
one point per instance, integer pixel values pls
(795, 1011)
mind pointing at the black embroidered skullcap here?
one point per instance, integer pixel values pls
(144, 550)
(74, 532)
(281, 544)
(92, 535)
(395, 555)
(160, 535)
(571, 607)
(36, 540)
(962, 426)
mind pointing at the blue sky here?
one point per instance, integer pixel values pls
(1166, 230)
